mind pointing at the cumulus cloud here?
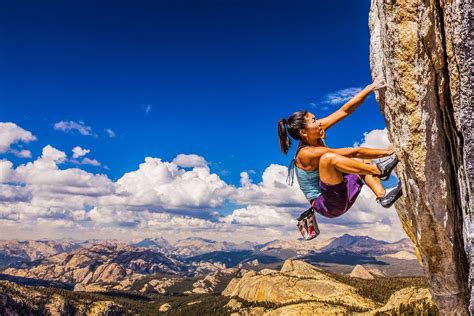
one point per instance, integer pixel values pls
(57, 223)
(183, 160)
(273, 190)
(245, 180)
(21, 153)
(174, 199)
(71, 126)
(50, 153)
(260, 215)
(14, 193)
(45, 175)
(7, 174)
(10, 134)
(92, 162)
(86, 161)
(377, 138)
(166, 185)
(79, 152)
(39, 195)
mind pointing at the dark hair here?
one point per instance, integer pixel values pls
(294, 124)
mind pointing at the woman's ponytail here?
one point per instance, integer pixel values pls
(296, 122)
(285, 141)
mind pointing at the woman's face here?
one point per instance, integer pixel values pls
(313, 127)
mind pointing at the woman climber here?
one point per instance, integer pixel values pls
(331, 178)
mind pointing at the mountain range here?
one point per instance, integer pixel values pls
(198, 266)
(16, 253)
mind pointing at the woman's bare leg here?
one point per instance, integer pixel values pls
(331, 166)
(372, 182)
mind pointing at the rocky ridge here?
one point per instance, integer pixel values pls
(98, 263)
(296, 281)
(19, 300)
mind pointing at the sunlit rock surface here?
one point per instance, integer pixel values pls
(361, 272)
(16, 299)
(422, 50)
(405, 296)
(297, 281)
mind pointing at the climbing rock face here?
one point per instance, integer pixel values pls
(422, 50)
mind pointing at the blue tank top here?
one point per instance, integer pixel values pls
(308, 180)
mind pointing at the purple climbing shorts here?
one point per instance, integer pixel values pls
(335, 200)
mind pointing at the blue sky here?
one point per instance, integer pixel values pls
(164, 78)
(216, 75)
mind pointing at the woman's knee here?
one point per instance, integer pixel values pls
(328, 158)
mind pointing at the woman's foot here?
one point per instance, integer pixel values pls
(386, 167)
(389, 198)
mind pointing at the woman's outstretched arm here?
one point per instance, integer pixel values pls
(372, 153)
(350, 152)
(352, 105)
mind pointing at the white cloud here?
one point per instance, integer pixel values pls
(40, 200)
(10, 134)
(7, 174)
(377, 138)
(261, 215)
(52, 154)
(71, 126)
(87, 161)
(79, 152)
(92, 162)
(47, 178)
(166, 185)
(340, 96)
(12, 193)
(21, 153)
(183, 160)
(110, 133)
(245, 180)
(56, 223)
(273, 190)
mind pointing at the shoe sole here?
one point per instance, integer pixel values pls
(399, 194)
(391, 169)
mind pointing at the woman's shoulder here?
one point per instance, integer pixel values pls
(305, 159)
(308, 151)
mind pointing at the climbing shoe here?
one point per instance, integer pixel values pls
(389, 198)
(386, 166)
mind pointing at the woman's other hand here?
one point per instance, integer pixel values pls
(379, 83)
